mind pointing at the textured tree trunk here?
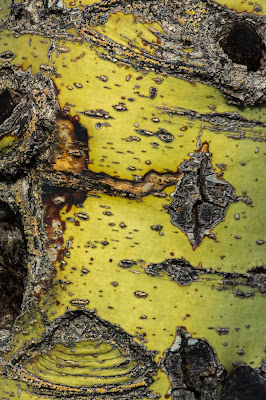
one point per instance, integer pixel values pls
(132, 136)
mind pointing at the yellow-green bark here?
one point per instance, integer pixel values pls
(123, 209)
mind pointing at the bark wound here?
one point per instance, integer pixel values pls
(72, 157)
(101, 357)
(201, 199)
(13, 270)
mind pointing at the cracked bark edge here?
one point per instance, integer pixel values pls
(211, 65)
(192, 368)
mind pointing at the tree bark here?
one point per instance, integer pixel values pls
(131, 232)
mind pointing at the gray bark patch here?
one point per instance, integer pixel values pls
(192, 368)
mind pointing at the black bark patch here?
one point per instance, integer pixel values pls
(153, 92)
(256, 277)
(7, 105)
(243, 45)
(156, 228)
(164, 136)
(243, 295)
(244, 383)
(13, 270)
(120, 107)
(140, 295)
(222, 330)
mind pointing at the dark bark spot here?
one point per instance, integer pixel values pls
(120, 107)
(140, 295)
(153, 92)
(126, 263)
(7, 105)
(243, 45)
(13, 270)
(161, 134)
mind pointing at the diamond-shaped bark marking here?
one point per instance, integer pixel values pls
(200, 199)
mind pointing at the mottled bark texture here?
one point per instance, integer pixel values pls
(35, 187)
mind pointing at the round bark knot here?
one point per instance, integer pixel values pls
(243, 45)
